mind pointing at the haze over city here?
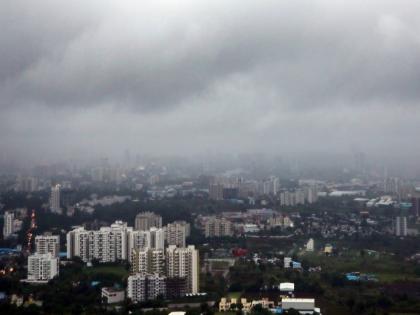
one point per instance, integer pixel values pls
(92, 79)
(206, 157)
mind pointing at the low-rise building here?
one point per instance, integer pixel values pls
(111, 295)
(303, 306)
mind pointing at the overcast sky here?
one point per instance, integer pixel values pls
(86, 78)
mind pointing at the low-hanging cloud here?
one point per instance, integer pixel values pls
(194, 64)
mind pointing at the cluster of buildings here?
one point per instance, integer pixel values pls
(286, 301)
(223, 188)
(161, 262)
(169, 273)
(301, 196)
(27, 184)
(13, 222)
(217, 227)
(250, 221)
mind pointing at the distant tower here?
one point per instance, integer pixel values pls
(401, 226)
(310, 245)
(146, 220)
(8, 224)
(55, 199)
(415, 201)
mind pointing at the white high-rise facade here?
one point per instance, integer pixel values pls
(45, 244)
(310, 245)
(148, 260)
(108, 244)
(157, 238)
(8, 224)
(42, 267)
(139, 240)
(401, 226)
(112, 243)
(55, 199)
(183, 263)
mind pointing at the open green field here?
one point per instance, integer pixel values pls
(386, 267)
(234, 295)
(117, 270)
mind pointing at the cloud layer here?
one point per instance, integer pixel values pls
(192, 76)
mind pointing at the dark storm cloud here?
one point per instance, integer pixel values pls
(181, 76)
(149, 55)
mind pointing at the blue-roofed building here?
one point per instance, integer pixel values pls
(296, 265)
(352, 277)
(276, 310)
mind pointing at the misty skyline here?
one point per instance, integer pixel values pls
(85, 79)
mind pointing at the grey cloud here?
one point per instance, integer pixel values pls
(308, 53)
(198, 75)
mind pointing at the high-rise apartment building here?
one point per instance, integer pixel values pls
(139, 240)
(177, 232)
(311, 194)
(45, 244)
(270, 186)
(415, 201)
(146, 220)
(288, 198)
(108, 244)
(157, 238)
(401, 226)
(27, 184)
(183, 263)
(216, 191)
(153, 238)
(112, 243)
(143, 287)
(42, 267)
(8, 221)
(215, 227)
(310, 245)
(148, 260)
(55, 205)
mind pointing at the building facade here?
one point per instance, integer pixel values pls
(215, 227)
(9, 218)
(177, 232)
(108, 244)
(146, 220)
(42, 267)
(55, 205)
(144, 287)
(401, 226)
(148, 260)
(184, 263)
(45, 244)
